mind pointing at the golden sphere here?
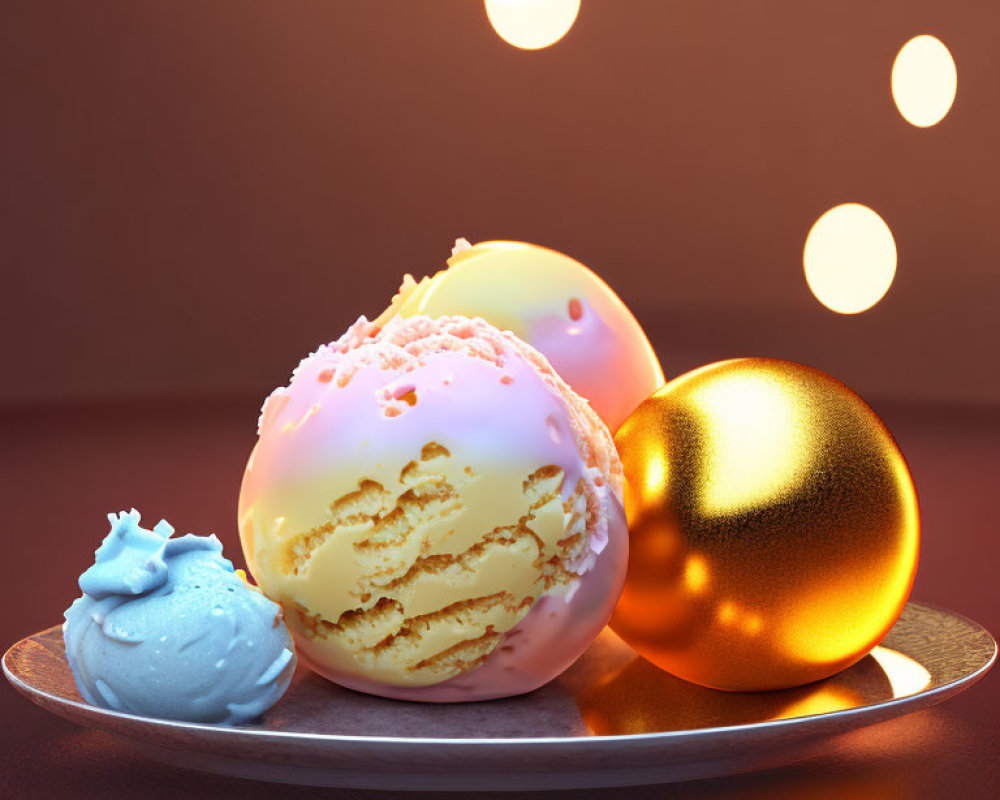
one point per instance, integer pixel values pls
(773, 526)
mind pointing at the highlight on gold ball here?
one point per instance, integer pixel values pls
(849, 258)
(532, 24)
(924, 81)
(773, 526)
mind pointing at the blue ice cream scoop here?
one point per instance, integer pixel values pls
(166, 628)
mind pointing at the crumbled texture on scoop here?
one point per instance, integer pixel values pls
(401, 343)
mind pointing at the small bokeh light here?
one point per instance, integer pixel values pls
(532, 24)
(849, 258)
(924, 81)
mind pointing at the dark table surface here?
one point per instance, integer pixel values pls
(64, 468)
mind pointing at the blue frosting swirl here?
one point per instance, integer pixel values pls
(166, 628)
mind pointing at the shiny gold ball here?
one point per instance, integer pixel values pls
(773, 526)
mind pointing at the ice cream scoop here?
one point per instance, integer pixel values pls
(437, 511)
(555, 304)
(166, 628)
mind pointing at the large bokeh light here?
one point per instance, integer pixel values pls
(532, 24)
(849, 258)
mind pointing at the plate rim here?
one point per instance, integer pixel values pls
(919, 699)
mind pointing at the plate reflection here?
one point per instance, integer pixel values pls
(637, 697)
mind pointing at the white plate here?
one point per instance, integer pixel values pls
(611, 720)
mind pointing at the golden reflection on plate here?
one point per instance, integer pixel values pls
(638, 697)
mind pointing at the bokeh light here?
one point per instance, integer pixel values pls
(849, 258)
(532, 24)
(924, 81)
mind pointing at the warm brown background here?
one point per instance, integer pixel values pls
(195, 193)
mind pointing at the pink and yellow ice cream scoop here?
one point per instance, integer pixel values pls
(556, 305)
(438, 513)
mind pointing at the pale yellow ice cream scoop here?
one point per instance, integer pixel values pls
(555, 304)
(438, 513)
